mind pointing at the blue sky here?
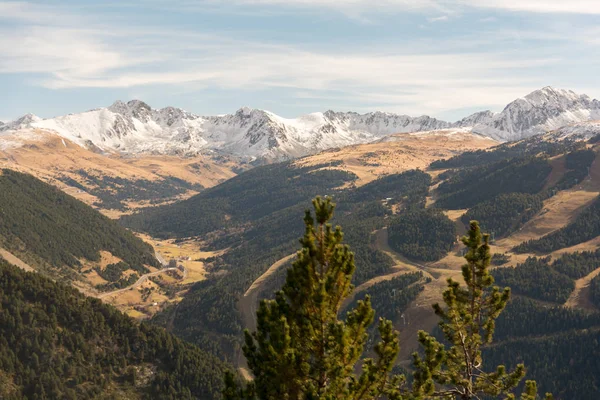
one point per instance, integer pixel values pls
(445, 58)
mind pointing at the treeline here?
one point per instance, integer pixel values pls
(39, 220)
(500, 258)
(531, 146)
(585, 227)
(505, 213)
(55, 343)
(112, 272)
(425, 235)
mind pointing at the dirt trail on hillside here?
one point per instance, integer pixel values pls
(559, 168)
(249, 302)
(593, 182)
(14, 260)
(580, 298)
(557, 212)
(419, 314)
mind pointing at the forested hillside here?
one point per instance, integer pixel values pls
(595, 291)
(559, 345)
(425, 235)
(529, 147)
(52, 230)
(585, 227)
(505, 213)
(247, 197)
(266, 230)
(391, 298)
(504, 190)
(535, 278)
(565, 363)
(112, 191)
(56, 343)
(511, 182)
(468, 187)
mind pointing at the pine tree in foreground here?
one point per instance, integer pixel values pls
(301, 350)
(468, 322)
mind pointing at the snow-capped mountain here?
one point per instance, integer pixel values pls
(134, 127)
(23, 122)
(540, 111)
(479, 118)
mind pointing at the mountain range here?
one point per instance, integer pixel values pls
(136, 128)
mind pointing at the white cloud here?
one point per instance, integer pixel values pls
(438, 19)
(419, 83)
(64, 51)
(352, 6)
(538, 6)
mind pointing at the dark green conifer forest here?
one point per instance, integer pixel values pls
(56, 343)
(53, 230)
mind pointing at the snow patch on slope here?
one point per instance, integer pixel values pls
(579, 131)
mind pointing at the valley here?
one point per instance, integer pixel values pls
(193, 242)
(299, 200)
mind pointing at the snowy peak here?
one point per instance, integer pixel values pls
(134, 108)
(481, 117)
(540, 111)
(549, 96)
(135, 127)
(19, 123)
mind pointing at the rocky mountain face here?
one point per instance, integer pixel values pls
(134, 127)
(541, 111)
(23, 122)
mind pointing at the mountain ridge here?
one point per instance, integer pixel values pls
(136, 128)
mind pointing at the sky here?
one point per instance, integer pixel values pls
(444, 58)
